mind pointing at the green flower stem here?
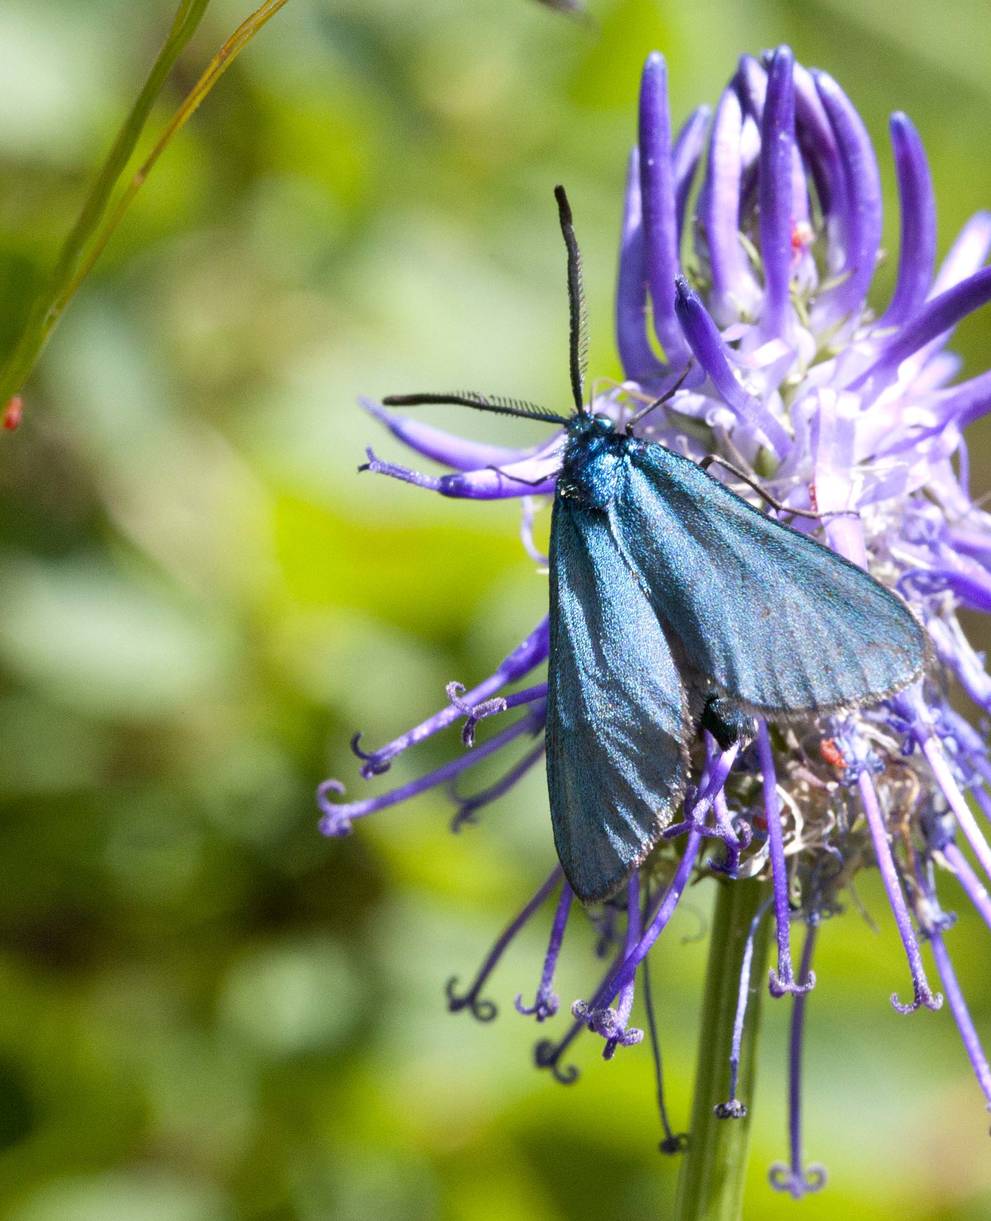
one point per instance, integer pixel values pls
(98, 221)
(44, 312)
(711, 1184)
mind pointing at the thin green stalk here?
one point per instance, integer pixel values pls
(39, 323)
(98, 221)
(710, 1187)
(187, 19)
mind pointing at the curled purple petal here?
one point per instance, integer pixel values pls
(776, 211)
(710, 351)
(452, 450)
(814, 134)
(917, 253)
(861, 223)
(934, 320)
(735, 291)
(967, 254)
(637, 356)
(657, 193)
(751, 84)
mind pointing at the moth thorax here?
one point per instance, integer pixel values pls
(591, 464)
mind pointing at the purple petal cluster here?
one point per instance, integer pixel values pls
(749, 243)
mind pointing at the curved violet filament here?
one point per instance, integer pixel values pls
(547, 1053)
(657, 921)
(546, 1003)
(524, 658)
(635, 353)
(863, 219)
(960, 406)
(718, 766)
(930, 747)
(712, 354)
(491, 707)
(967, 254)
(611, 1024)
(624, 1005)
(961, 1014)
(733, 1108)
(441, 446)
(972, 885)
(782, 980)
(750, 79)
(815, 138)
(923, 994)
(775, 188)
(795, 1178)
(338, 817)
(485, 1010)
(467, 806)
(935, 319)
(710, 796)
(657, 194)
(735, 839)
(917, 252)
(973, 589)
(532, 477)
(966, 402)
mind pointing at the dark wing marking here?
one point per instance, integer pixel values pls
(616, 716)
(780, 624)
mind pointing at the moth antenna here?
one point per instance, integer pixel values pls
(496, 404)
(577, 311)
(668, 394)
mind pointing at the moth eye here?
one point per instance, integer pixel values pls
(603, 423)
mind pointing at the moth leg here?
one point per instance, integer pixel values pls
(668, 394)
(726, 723)
(708, 461)
(530, 483)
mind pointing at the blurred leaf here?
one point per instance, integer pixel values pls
(291, 998)
(137, 1196)
(104, 645)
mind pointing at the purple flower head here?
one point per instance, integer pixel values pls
(749, 318)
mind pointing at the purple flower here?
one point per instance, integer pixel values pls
(838, 410)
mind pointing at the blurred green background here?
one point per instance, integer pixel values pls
(206, 1010)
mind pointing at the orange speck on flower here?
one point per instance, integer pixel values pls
(832, 754)
(802, 237)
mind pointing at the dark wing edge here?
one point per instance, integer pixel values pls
(617, 714)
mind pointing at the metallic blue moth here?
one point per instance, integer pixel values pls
(669, 591)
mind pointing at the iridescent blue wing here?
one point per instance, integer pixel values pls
(780, 624)
(616, 712)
